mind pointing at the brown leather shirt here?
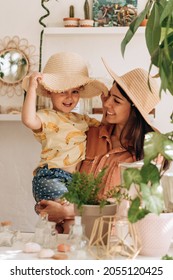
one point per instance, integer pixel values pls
(99, 154)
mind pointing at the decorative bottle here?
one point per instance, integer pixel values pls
(50, 236)
(77, 240)
(40, 228)
(6, 234)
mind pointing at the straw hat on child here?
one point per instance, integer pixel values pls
(64, 71)
(136, 83)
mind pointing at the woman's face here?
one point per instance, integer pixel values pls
(117, 107)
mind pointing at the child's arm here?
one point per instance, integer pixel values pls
(29, 117)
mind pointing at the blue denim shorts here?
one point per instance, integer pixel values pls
(50, 184)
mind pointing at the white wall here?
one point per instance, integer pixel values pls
(19, 150)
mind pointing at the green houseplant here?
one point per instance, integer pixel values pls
(148, 201)
(87, 21)
(84, 191)
(146, 209)
(71, 21)
(159, 38)
(148, 196)
(159, 42)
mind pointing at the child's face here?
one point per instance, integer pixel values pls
(65, 101)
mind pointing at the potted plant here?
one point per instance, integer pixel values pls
(159, 38)
(86, 22)
(149, 200)
(71, 21)
(147, 209)
(84, 190)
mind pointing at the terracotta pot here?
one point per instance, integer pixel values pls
(91, 212)
(71, 22)
(86, 23)
(155, 233)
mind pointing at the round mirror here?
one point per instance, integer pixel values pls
(13, 66)
(17, 59)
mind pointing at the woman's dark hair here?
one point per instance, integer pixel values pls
(134, 130)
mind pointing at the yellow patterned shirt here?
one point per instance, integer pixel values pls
(63, 137)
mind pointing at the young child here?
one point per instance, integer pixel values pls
(60, 131)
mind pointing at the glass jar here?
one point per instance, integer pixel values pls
(77, 240)
(6, 234)
(40, 228)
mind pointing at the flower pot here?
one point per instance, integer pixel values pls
(86, 23)
(155, 233)
(71, 22)
(91, 212)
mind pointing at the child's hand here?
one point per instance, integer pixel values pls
(103, 98)
(34, 79)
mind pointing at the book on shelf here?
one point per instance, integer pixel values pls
(107, 13)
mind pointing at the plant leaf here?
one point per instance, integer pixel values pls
(156, 143)
(136, 213)
(150, 173)
(133, 28)
(130, 176)
(167, 11)
(152, 197)
(153, 28)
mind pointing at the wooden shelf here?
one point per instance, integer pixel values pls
(10, 117)
(89, 30)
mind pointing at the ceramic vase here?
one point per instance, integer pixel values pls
(155, 233)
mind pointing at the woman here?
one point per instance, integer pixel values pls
(126, 111)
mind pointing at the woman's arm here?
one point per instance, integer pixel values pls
(29, 117)
(56, 211)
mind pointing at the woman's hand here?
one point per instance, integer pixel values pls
(55, 210)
